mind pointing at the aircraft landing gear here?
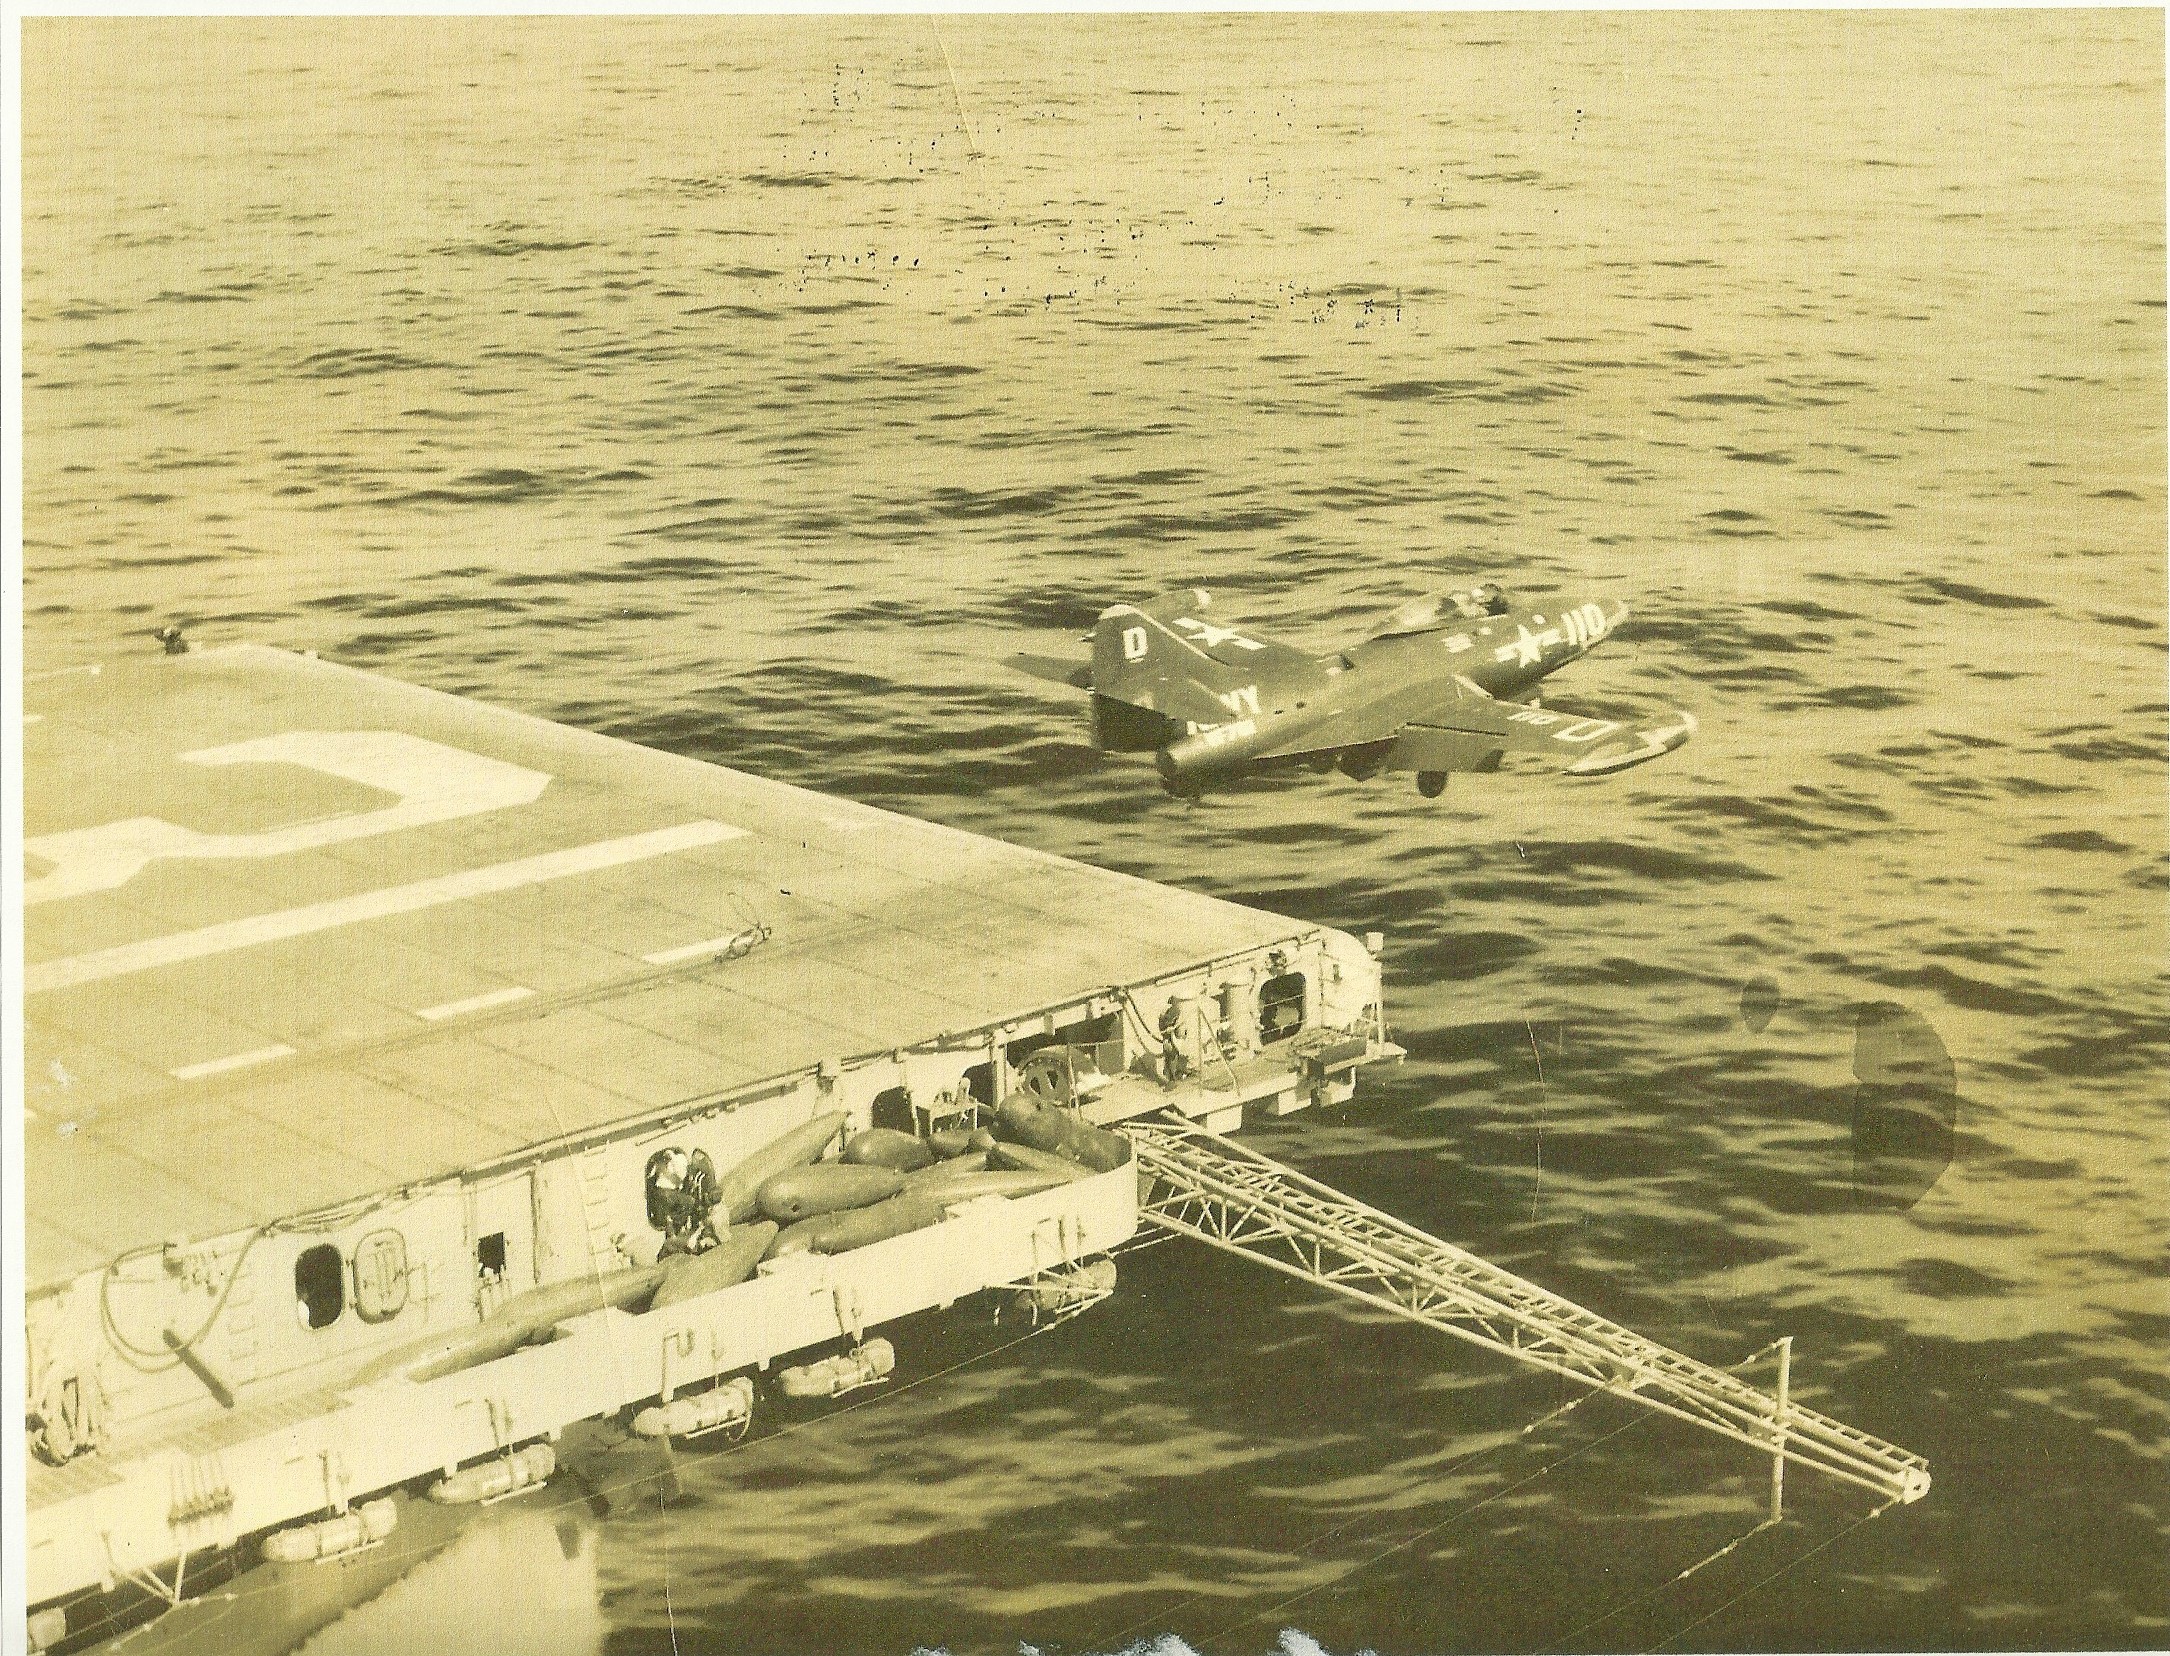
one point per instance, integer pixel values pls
(1431, 784)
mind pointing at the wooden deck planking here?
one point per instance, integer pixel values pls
(505, 1094)
(68, 1075)
(832, 962)
(379, 1125)
(886, 933)
(589, 1046)
(380, 981)
(73, 925)
(97, 1182)
(253, 1152)
(736, 1032)
(161, 1032)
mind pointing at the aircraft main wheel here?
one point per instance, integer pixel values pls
(1431, 784)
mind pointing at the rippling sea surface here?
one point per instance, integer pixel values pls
(748, 387)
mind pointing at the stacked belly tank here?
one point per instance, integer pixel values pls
(409, 1080)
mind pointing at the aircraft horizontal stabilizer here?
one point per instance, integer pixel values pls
(1078, 675)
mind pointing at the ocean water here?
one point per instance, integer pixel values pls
(749, 387)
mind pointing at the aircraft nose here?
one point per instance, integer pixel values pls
(1585, 624)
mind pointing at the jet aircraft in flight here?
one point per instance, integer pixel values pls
(1443, 684)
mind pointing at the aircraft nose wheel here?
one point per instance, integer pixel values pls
(1431, 784)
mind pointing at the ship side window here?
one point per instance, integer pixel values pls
(490, 1255)
(320, 1286)
(1280, 1007)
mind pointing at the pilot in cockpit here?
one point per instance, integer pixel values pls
(1423, 614)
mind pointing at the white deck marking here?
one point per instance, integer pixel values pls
(435, 783)
(370, 905)
(475, 1003)
(693, 951)
(232, 1061)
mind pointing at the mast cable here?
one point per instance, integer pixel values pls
(1773, 1576)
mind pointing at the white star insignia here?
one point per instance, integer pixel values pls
(1526, 651)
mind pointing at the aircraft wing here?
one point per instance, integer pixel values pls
(1078, 675)
(1472, 731)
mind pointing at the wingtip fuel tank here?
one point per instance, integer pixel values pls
(1656, 740)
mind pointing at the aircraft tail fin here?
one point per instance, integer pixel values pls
(1157, 656)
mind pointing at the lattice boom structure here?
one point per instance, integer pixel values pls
(1201, 1185)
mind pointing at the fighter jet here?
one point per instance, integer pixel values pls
(1444, 684)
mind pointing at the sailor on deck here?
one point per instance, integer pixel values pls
(1173, 1064)
(682, 1199)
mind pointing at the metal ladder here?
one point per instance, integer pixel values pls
(1201, 1185)
(592, 1169)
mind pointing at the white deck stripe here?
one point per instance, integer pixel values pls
(475, 1003)
(233, 1061)
(691, 951)
(369, 905)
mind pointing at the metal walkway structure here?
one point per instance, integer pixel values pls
(1201, 1185)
